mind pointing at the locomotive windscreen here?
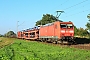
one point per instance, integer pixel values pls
(63, 25)
(69, 26)
(66, 25)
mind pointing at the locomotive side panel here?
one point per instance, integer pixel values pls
(57, 30)
(46, 31)
(43, 32)
(50, 31)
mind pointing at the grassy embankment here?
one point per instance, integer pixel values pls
(5, 41)
(30, 50)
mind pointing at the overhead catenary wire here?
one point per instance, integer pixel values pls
(79, 8)
(61, 5)
(64, 2)
(78, 13)
(75, 4)
(21, 23)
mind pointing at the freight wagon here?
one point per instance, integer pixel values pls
(29, 34)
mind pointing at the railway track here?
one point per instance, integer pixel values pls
(79, 46)
(82, 46)
(81, 43)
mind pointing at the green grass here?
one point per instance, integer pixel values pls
(29, 50)
(5, 41)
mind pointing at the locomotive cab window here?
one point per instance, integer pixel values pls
(63, 25)
(69, 26)
(66, 25)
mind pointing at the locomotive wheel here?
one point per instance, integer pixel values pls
(55, 42)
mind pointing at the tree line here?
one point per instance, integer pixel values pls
(9, 34)
(81, 32)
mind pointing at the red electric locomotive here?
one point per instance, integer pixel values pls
(57, 32)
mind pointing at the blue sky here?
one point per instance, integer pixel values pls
(30, 11)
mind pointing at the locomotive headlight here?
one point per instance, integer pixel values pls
(62, 31)
(71, 31)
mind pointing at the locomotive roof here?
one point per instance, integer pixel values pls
(52, 23)
(65, 22)
(56, 21)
